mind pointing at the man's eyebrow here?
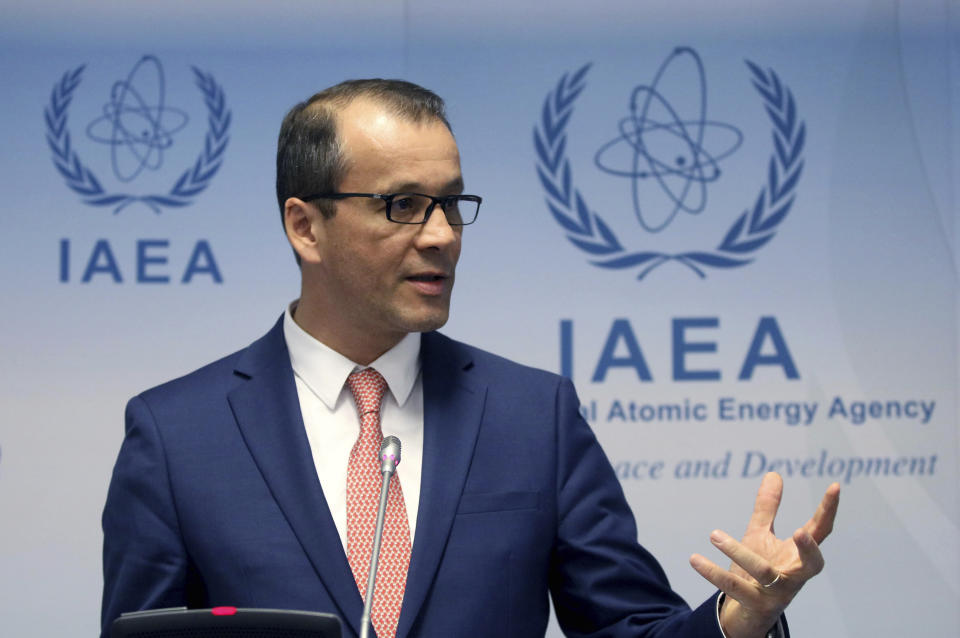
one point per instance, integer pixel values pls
(453, 187)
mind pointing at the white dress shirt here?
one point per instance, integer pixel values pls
(330, 414)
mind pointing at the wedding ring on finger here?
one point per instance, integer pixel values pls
(774, 581)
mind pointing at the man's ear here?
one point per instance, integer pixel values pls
(303, 226)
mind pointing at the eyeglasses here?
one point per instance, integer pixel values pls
(415, 208)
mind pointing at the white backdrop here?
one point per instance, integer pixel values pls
(843, 314)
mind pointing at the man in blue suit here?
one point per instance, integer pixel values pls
(231, 484)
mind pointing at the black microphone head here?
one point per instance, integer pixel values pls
(389, 454)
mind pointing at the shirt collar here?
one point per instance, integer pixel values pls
(325, 370)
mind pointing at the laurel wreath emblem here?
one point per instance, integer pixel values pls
(81, 179)
(751, 231)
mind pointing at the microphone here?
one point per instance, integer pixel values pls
(389, 459)
(389, 455)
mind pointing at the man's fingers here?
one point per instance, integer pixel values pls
(730, 584)
(811, 559)
(808, 563)
(768, 501)
(757, 566)
(821, 524)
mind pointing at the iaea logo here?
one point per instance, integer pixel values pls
(672, 165)
(137, 126)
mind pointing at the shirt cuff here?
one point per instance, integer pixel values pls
(775, 632)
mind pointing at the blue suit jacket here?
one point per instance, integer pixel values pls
(215, 501)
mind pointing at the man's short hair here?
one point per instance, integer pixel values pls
(310, 158)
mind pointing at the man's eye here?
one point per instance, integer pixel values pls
(403, 203)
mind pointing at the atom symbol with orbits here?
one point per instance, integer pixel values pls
(668, 147)
(137, 130)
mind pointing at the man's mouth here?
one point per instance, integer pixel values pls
(430, 284)
(427, 277)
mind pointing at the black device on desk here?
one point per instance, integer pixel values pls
(225, 622)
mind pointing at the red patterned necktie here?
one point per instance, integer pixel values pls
(363, 498)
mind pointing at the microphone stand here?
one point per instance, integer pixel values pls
(390, 458)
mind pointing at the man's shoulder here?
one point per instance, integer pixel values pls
(220, 376)
(207, 379)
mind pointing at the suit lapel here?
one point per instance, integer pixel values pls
(268, 413)
(452, 410)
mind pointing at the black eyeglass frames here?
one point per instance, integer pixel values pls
(415, 208)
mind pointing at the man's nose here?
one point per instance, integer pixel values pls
(437, 231)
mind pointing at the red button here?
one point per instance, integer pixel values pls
(223, 611)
